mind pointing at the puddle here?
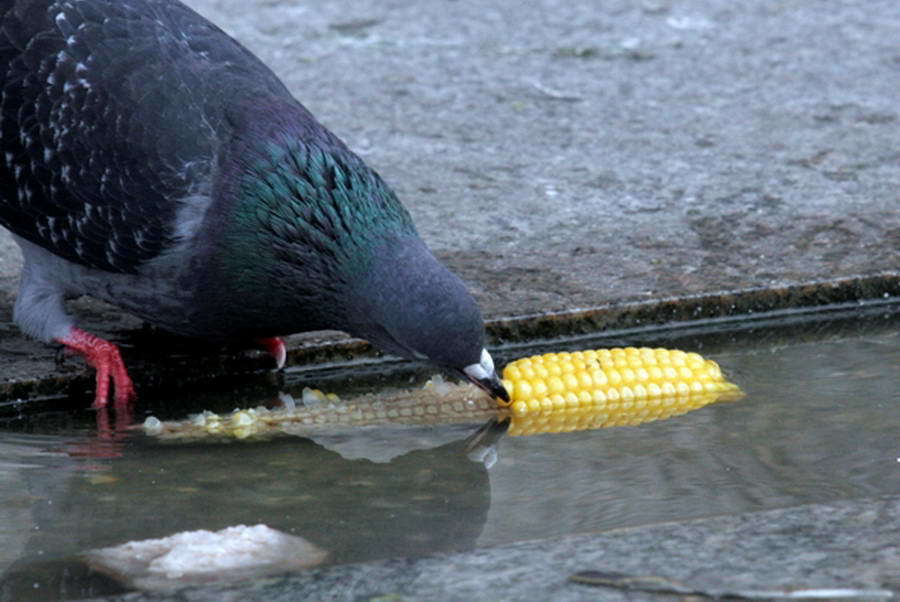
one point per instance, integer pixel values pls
(818, 424)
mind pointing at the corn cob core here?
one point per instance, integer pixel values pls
(437, 403)
(610, 387)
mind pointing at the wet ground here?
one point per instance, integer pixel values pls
(817, 426)
(625, 167)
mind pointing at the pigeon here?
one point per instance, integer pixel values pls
(150, 161)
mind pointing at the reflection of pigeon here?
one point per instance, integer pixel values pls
(425, 501)
(152, 162)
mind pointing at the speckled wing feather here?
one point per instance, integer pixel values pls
(111, 117)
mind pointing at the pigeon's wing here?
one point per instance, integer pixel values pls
(111, 117)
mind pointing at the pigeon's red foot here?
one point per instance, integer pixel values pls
(275, 347)
(105, 358)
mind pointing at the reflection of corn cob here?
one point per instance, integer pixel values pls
(609, 387)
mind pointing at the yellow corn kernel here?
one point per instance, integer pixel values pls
(610, 387)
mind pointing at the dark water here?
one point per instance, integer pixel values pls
(819, 423)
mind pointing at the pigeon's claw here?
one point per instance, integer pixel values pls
(275, 347)
(107, 361)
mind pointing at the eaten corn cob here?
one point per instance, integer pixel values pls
(609, 387)
(437, 403)
(555, 392)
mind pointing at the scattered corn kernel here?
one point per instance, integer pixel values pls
(153, 425)
(436, 383)
(313, 396)
(242, 418)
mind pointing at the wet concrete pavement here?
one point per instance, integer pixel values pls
(847, 548)
(565, 155)
(570, 155)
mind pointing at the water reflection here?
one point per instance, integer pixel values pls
(818, 424)
(421, 501)
(114, 427)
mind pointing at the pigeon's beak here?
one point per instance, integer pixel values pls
(484, 376)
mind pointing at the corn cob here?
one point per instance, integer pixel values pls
(437, 403)
(550, 393)
(609, 387)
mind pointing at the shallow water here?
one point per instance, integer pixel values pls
(819, 423)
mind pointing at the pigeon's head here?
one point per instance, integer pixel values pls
(349, 257)
(408, 304)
